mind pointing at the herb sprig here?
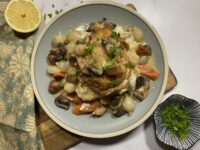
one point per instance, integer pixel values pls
(109, 65)
(115, 35)
(90, 47)
(114, 52)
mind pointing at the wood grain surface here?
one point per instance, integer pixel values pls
(56, 138)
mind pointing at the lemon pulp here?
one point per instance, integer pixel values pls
(23, 15)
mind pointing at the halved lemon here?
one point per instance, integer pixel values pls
(23, 15)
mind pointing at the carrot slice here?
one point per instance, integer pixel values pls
(88, 108)
(148, 71)
(59, 75)
(72, 97)
(77, 110)
(91, 108)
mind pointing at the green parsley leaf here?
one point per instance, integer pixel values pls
(109, 65)
(56, 12)
(114, 52)
(94, 62)
(122, 46)
(89, 48)
(49, 15)
(114, 83)
(115, 35)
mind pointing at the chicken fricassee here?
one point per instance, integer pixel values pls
(105, 67)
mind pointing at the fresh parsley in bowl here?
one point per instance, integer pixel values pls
(178, 121)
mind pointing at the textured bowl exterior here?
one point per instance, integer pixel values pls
(163, 133)
(107, 125)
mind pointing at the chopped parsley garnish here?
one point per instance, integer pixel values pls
(114, 52)
(49, 15)
(89, 48)
(94, 62)
(109, 65)
(115, 35)
(114, 83)
(58, 11)
(129, 66)
(122, 46)
(175, 118)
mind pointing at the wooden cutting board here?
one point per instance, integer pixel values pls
(56, 138)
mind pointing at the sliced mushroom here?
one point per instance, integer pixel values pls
(119, 112)
(54, 86)
(143, 49)
(142, 87)
(62, 102)
(57, 54)
(115, 103)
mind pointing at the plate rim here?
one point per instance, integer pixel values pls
(99, 135)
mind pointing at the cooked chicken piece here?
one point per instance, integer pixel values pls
(117, 70)
(119, 87)
(114, 90)
(98, 83)
(96, 60)
(105, 85)
(103, 33)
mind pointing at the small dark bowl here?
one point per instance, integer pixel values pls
(163, 133)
